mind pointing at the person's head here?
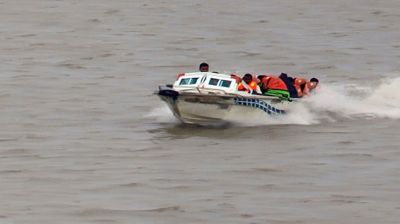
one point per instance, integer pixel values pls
(283, 76)
(314, 80)
(247, 78)
(203, 67)
(261, 77)
(313, 83)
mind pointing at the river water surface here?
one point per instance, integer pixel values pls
(83, 139)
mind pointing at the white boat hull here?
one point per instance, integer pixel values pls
(214, 109)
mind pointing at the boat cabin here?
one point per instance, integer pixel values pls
(206, 80)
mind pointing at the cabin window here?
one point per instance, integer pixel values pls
(225, 83)
(184, 81)
(188, 81)
(213, 82)
(193, 81)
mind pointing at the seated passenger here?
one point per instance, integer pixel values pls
(249, 85)
(273, 85)
(289, 84)
(303, 87)
(310, 85)
(299, 84)
(286, 86)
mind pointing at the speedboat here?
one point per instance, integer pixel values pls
(206, 98)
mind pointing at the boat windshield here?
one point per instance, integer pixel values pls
(213, 82)
(225, 83)
(219, 82)
(188, 81)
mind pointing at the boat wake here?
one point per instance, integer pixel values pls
(352, 101)
(333, 102)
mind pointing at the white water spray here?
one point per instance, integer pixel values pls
(352, 101)
(161, 114)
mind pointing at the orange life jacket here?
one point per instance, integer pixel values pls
(264, 79)
(273, 82)
(252, 85)
(308, 87)
(299, 84)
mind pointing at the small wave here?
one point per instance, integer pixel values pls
(108, 212)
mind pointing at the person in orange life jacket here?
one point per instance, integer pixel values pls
(264, 81)
(203, 67)
(271, 82)
(289, 84)
(249, 85)
(310, 86)
(299, 84)
(304, 87)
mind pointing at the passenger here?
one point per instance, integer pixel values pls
(299, 84)
(310, 85)
(203, 67)
(303, 87)
(273, 85)
(289, 84)
(248, 84)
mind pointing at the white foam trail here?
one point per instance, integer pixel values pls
(161, 114)
(387, 94)
(352, 101)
